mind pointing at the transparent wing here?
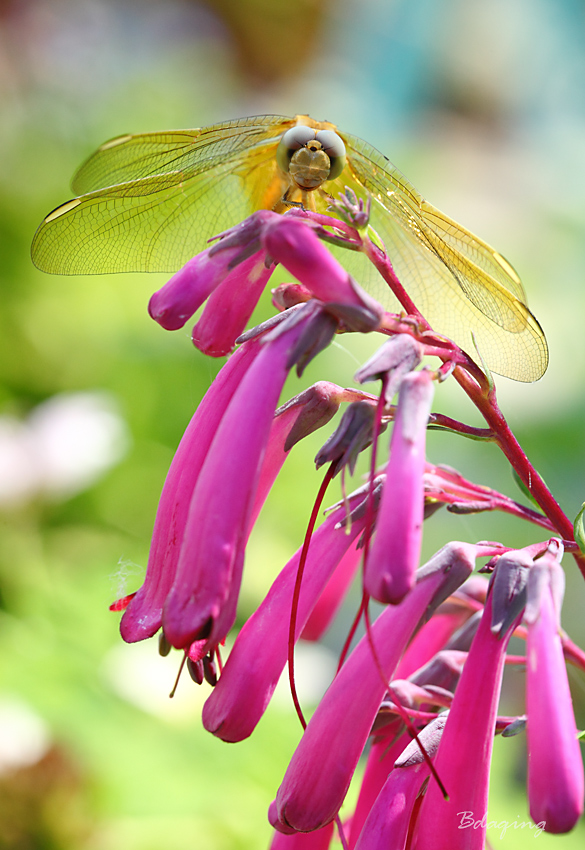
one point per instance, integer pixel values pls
(171, 192)
(134, 157)
(458, 282)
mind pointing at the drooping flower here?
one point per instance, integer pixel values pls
(386, 827)
(143, 616)
(555, 766)
(464, 754)
(202, 601)
(394, 554)
(259, 654)
(321, 768)
(230, 306)
(293, 421)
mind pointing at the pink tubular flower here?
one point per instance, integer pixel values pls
(293, 243)
(333, 595)
(380, 762)
(429, 640)
(143, 617)
(230, 306)
(202, 600)
(386, 827)
(395, 550)
(186, 291)
(318, 840)
(260, 652)
(293, 421)
(321, 768)
(463, 758)
(555, 767)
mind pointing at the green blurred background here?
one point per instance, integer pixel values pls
(480, 103)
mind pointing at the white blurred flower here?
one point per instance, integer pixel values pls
(24, 736)
(65, 445)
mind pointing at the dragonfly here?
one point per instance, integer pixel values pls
(150, 201)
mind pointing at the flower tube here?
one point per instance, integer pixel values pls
(143, 616)
(173, 304)
(201, 602)
(294, 244)
(386, 827)
(322, 766)
(555, 766)
(260, 652)
(395, 550)
(464, 754)
(230, 306)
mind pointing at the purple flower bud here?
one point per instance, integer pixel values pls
(294, 420)
(260, 652)
(352, 435)
(395, 550)
(314, 408)
(293, 243)
(321, 768)
(398, 356)
(143, 617)
(555, 767)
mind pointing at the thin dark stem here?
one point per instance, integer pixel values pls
(484, 398)
(488, 407)
(297, 590)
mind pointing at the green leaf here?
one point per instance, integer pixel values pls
(524, 488)
(579, 529)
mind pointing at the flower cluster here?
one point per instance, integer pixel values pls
(423, 683)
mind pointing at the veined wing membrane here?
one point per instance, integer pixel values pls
(457, 281)
(134, 157)
(154, 224)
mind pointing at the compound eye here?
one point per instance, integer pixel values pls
(333, 146)
(292, 140)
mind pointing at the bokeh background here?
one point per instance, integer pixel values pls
(480, 103)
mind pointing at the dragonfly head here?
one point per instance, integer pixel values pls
(311, 157)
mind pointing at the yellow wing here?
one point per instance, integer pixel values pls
(150, 202)
(458, 282)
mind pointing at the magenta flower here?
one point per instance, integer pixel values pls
(386, 827)
(464, 754)
(381, 760)
(143, 617)
(321, 768)
(394, 554)
(186, 291)
(429, 641)
(260, 652)
(333, 594)
(230, 306)
(320, 839)
(293, 421)
(291, 241)
(202, 601)
(555, 766)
